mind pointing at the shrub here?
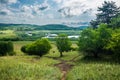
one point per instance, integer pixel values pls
(93, 42)
(23, 49)
(39, 47)
(114, 44)
(6, 48)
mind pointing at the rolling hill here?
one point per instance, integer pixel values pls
(42, 27)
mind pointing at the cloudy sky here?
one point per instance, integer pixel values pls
(48, 11)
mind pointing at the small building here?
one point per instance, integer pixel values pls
(29, 33)
(50, 36)
(73, 36)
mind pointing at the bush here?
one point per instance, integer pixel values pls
(39, 47)
(114, 44)
(6, 48)
(93, 42)
(23, 49)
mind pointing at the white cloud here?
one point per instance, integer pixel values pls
(35, 8)
(12, 1)
(46, 13)
(8, 1)
(5, 12)
(58, 1)
(26, 8)
(78, 7)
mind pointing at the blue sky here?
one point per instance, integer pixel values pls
(48, 11)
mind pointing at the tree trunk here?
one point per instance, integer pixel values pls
(61, 55)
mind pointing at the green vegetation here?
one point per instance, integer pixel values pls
(93, 42)
(114, 44)
(94, 70)
(98, 57)
(42, 68)
(63, 43)
(6, 48)
(107, 12)
(8, 35)
(28, 67)
(14, 35)
(115, 22)
(39, 47)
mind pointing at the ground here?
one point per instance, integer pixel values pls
(72, 66)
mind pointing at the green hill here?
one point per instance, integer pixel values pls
(40, 27)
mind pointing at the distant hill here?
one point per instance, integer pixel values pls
(42, 27)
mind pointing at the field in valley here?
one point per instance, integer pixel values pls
(14, 35)
(72, 66)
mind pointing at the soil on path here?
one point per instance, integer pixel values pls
(64, 66)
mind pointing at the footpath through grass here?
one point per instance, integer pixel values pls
(52, 67)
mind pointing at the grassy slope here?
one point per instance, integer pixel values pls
(22, 67)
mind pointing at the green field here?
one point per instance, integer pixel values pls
(72, 66)
(13, 35)
(7, 33)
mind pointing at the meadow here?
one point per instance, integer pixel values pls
(72, 66)
(7, 33)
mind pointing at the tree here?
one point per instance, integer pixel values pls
(39, 47)
(87, 42)
(63, 43)
(115, 22)
(92, 42)
(114, 44)
(94, 24)
(108, 11)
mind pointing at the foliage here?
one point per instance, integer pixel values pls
(93, 41)
(107, 11)
(39, 47)
(115, 22)
(114, 44)
(6, 48)
(23, 48)
(63, 43)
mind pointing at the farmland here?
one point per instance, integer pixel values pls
(51, 66)
(14, 35)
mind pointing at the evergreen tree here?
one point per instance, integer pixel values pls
(107, 11)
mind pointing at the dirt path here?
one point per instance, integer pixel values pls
(64, 66)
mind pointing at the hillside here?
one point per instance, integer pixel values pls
(41, 27)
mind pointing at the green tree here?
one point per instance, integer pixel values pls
(107, 11)
(87, 42)
(92, 42)
(114, 44)
(63, 43)
(39, 47)
(115, 22)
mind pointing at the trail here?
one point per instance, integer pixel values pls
(64, 66)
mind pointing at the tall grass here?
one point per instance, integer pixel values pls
(94, 70)
(28, 68)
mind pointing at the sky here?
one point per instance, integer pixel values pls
(43, 12)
